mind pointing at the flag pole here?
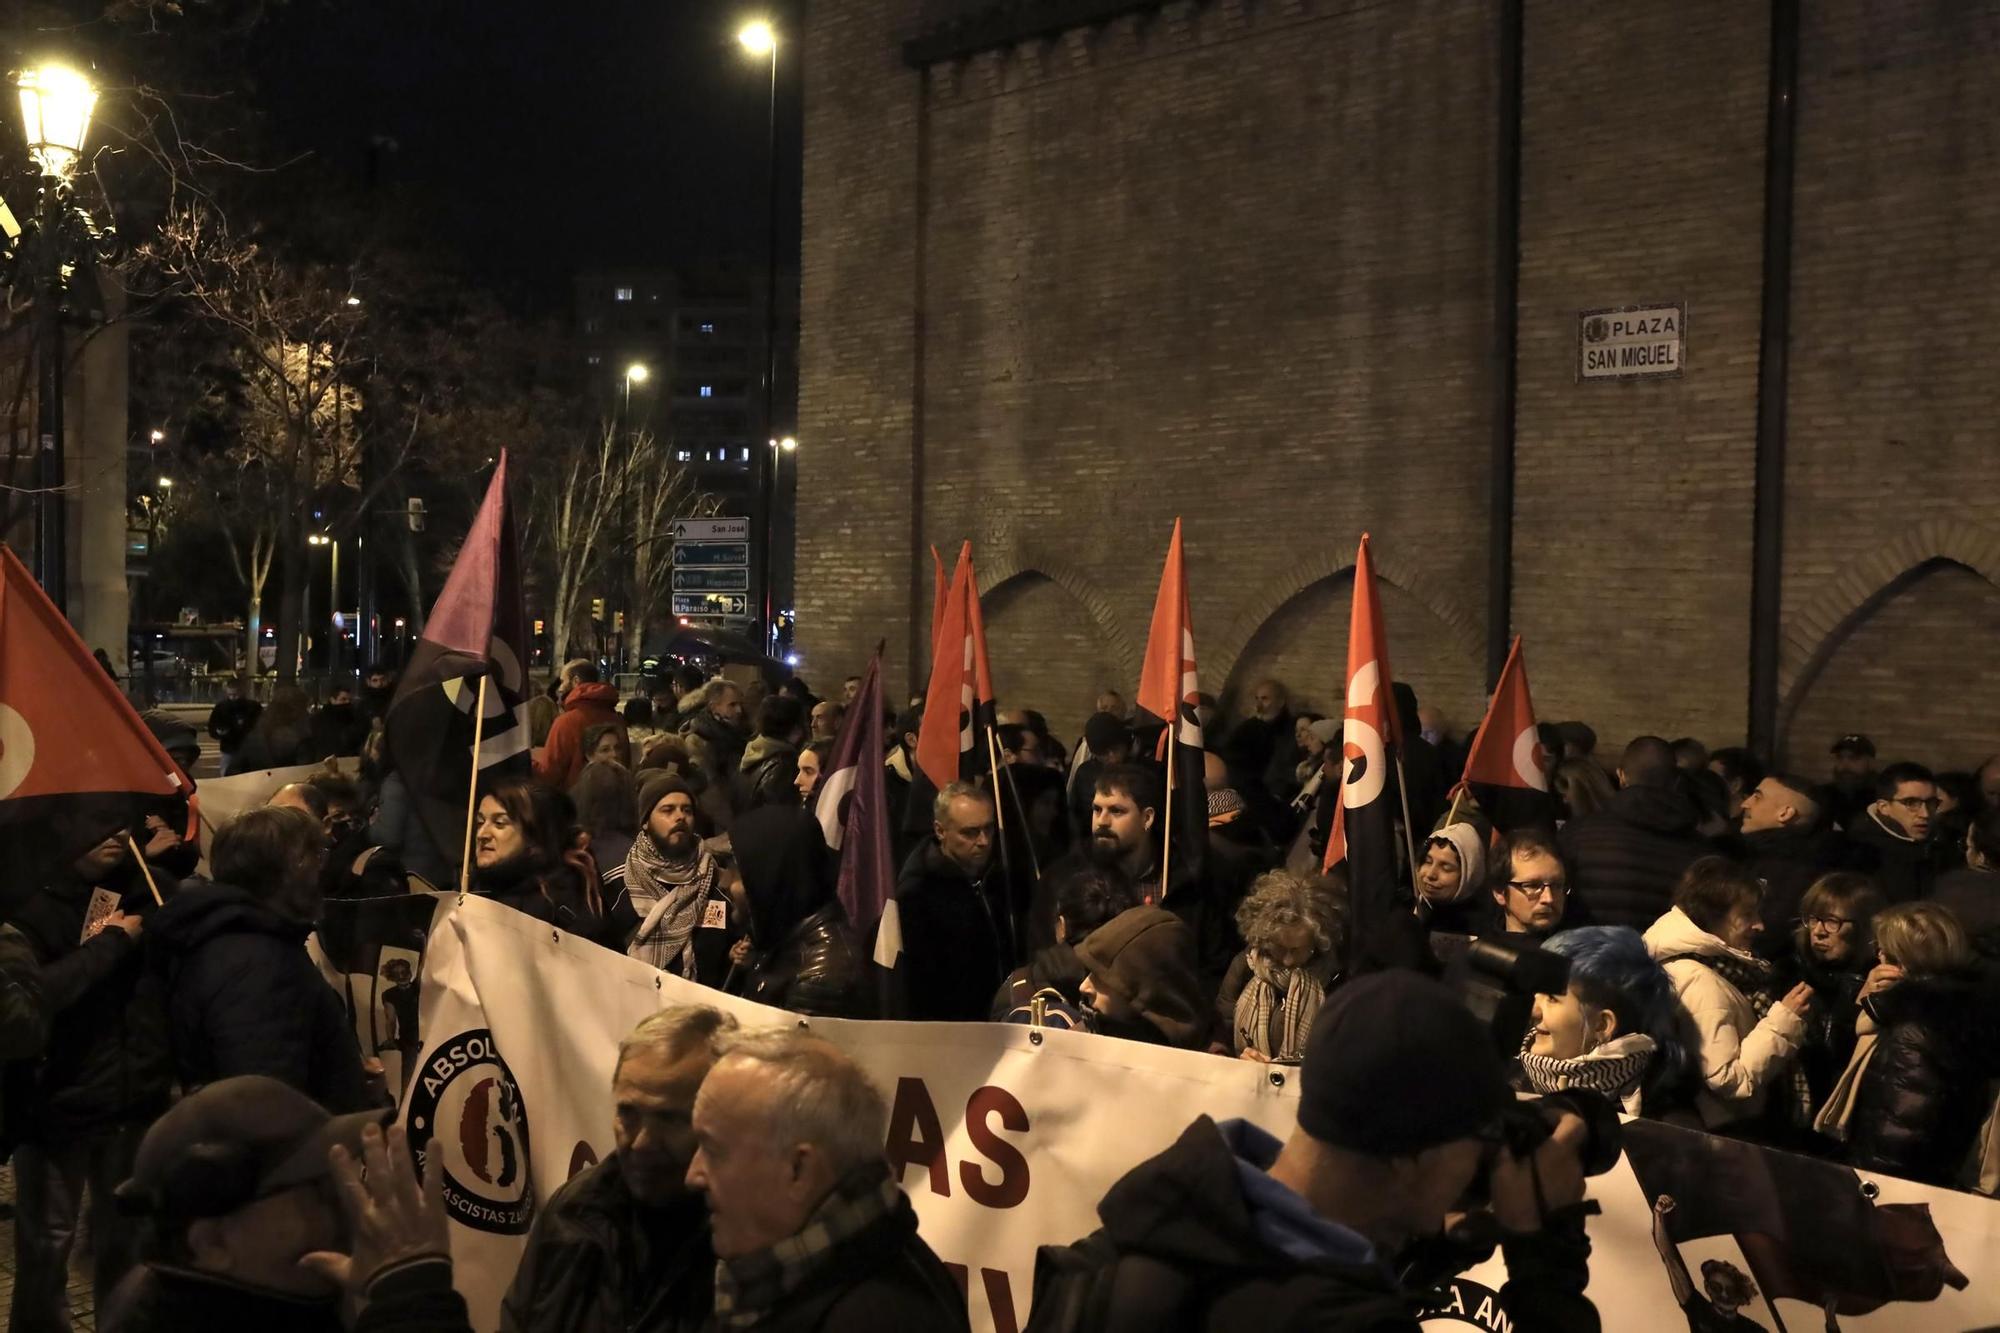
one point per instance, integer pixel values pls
(472, 788)
(1021, 808)
(1006, 861)
(1409, 837)
(145, 870)
(1167, 835)
(1457, 799)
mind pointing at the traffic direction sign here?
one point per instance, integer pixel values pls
(711, 530)
(725, 554)
(712, 580)
(730, 605)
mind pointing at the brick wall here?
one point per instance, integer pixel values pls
(1894, 452)
(1232, 261)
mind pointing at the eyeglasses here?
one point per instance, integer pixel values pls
(1915, 803)
(1830, 922)
(1538, 888)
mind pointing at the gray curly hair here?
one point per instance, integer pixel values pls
(1280, 900)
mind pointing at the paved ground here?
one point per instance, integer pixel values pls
(82, 1313)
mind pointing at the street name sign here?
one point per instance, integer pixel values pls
(725, 554)
(710, 530)
(735, 579)
(729, 605)
(1634, 342)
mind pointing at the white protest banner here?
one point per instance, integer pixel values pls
(1006, 1139)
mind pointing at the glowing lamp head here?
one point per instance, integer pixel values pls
(758, 37)
(636, 373)
(56, 102)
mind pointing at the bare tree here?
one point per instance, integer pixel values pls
(571, 518)
(661, 490)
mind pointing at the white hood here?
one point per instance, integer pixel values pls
(1675, 933)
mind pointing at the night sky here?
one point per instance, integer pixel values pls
(547, 137)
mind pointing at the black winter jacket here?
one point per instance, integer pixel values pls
(1788, 860)
(106, 1061)
(1189, 1257)
(1628, 855)
(767, 774)
(954, 938)
(1904, 869)
(1924, 1094)
(586, 1268)
(1974, 898)
(884, 1278)
(821, 969)
(415, 1297)
(243, 997)
(231, 721)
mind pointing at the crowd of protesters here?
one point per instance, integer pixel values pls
(1802, 962)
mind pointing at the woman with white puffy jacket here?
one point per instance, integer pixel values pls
(1743, 1037)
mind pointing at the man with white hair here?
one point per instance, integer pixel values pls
(623, 1245)
(810, 1229)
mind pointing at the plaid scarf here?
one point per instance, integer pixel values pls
(1614, 1069)
(666, 933)
(748, 1288)
(1756, 980)
(1294, 994)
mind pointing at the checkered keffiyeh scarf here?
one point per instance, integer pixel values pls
(748, 1288)
(668, 898)
(1292, 994)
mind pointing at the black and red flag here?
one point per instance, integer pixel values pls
(1506, 770)
(853, 812)
(76, 763)
(959, 707)
(1168, 686)
(1371, 735)
(477, 629)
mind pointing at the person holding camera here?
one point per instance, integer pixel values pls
(1403, 1120)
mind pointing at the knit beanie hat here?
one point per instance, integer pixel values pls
(655, 785)
(1326, 731)
(1471, 848)
(1145, 957)
(1397, 1064)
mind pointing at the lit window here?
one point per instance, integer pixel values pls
(708, 328)
(683, 455)
(590, 326)
(622, 294)
(595, 359)
(708, 391)
(746, 455)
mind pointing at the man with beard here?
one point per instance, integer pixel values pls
(955, 934)
(354, 866)
(1122, 838)
(667, 903)
(625, 1244)
(378, 689)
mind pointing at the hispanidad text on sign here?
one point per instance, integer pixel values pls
(1633, 342)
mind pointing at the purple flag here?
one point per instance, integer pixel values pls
(853, 811)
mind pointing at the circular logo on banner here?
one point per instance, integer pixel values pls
(466, 1098)
(1463, 1303)
(17, 750)
(1531, 761)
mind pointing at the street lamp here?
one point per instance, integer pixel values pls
(166, 483)
(636, 373)
(332, 601)
(759, 37)
(56, 105)
(157, 436)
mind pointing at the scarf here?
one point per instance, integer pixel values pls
(1294, 994)
(1839, 1109)
(749, 1288)
(1756, 980)
(668, 897)
(1614, 1069)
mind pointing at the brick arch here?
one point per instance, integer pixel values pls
(1012, 564)
(1824, 621)
(1331, 564)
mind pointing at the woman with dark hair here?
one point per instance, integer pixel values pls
(282, 734)
(1833, 947)
(1582, 786)
(640, 727)
(803, 954)
(1917, 1090)
(602, 794)
(1615, 1030)
(1084, 901)
(812, 763)
(524, 854)
(1973, 892)
(605, 743)
(1743, 1037)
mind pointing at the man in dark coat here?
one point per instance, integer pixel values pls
(243, 996)
(1892, 837)
(810, 1229)
(767, 773)
(955, 927)
(1783, 840)
(1629, 855)
(337, 728)
(232, 718)
(1228, 1228)
(624, 1245)
(718, 731)
(79, 1111)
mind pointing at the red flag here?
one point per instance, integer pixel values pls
(76, 763)
(1336, 840)
(1368, 739)
(959, 704)
(938, 595)
(1168, 686)
(1507, 750)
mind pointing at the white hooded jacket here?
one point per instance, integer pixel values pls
(1739, 1055)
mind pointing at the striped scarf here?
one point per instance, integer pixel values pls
(1756, 980)
(1293, 994)
(1614, 1069)
(749, 1288)
(665, 938)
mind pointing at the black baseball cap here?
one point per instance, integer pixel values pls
(233, 1142)
(1397, 1064)
(1854, 743)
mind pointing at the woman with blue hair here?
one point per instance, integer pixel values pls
(1612, 1031)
